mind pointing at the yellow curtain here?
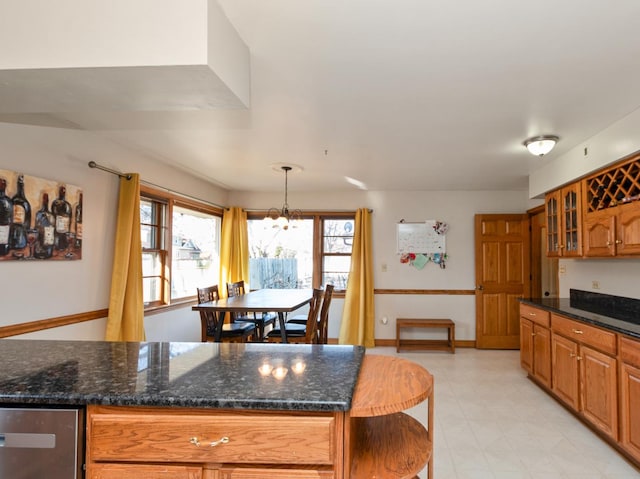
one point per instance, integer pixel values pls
(358, 317)
(126, 308)
(234, 249)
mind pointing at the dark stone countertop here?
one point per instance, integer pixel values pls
(567, 308)
(201, 375)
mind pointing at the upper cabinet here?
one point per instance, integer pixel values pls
(612, 210)
(563, 210)
(598, 216)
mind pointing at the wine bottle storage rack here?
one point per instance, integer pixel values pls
(613, 187)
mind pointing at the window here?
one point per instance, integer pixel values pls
(180, 247)
(317, 251)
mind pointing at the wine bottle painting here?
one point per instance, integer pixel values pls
(39, 219)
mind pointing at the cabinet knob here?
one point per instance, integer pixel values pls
(618, 241)
(609, 243)
(533, 334)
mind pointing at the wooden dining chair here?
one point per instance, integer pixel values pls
(231, 332)
(260, 320)
(300, 333)
(323, 318)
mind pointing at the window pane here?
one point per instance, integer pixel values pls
(336, 271)
(148, 236)
(338, 236)
(151, 263)
(151, 289)
(195, 251)
(279, 258)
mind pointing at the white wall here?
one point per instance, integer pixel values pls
(616, 276)
(40, 289)
(457, 208)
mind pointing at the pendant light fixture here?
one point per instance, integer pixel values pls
(284, 217)
(540, 145)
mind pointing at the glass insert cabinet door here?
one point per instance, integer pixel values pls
(564, 222)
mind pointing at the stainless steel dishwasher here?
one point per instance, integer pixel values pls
(38, 442)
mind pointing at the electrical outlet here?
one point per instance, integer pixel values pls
(563, 269)
(383, 267)
(595, 284)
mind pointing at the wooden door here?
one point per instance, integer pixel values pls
(542, 354)
(526, 345)
(544, 269)
(630, 409)
(599, 390)
(552, 213)
(571, 221)
(564, 354)
(628, 234)
(502, 277)
(599, 234)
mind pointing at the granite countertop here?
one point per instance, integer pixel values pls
(206, 375)
(568, 307)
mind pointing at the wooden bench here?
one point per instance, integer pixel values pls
(438, 344)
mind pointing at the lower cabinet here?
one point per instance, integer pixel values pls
(584, 376)
(134, 471)
(630, 396)
(535, 344)
(565, 370)
(153, 443)
(594, 371)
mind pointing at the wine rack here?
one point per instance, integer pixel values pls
(613, 187)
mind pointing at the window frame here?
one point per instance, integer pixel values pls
(318, 218)
(169, 200)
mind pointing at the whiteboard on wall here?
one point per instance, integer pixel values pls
(419, 238)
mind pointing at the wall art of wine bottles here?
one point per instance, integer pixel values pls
(39, 219)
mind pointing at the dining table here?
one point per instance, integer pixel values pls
(279, 301)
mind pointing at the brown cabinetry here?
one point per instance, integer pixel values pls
(535, 343)
(630, 396)
(612, 210)
(563, 211)
(373, 439)
(585, 371)
(613, 232)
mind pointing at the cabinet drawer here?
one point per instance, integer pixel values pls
(271, 473)
(185, 438)
(597, 338)
(630, 351)
(534, 314)
(136, 471)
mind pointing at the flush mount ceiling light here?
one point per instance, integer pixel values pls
(284, 217)
(541, 145)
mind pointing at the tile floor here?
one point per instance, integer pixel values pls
(491, 422)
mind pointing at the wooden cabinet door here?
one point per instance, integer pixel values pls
(564, 353)
(271, 473)
(552, 216)
(599, 234)
(628, 231)
(542, 354)
(526, 345)
(142, 471)
(571, 221)
(630, 409)
(599, 390)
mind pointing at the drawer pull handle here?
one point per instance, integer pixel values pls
(577, 331)
(196, 442)
(532, 314)
(222, 440)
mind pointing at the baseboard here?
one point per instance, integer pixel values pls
(465, 343)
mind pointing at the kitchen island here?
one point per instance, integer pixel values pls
(220, 411)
